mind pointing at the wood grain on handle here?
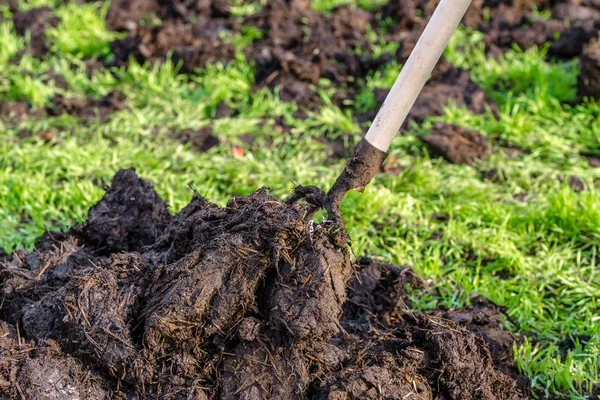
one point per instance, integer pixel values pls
(415, 72)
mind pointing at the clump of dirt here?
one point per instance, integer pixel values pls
(35, 21)
(484, 319)
(201, 139)
(576, 184)
(441, 348)
(190, 45)
(450, 83)
(456, 144)
(248, 301)
(582, 24)
(571, 42)
(88, 109)
(589, 78)
(40, 370)
(130, 216)
(126, 14)
(594, 162)
(15, 111)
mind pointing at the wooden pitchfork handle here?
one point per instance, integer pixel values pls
(372, 150)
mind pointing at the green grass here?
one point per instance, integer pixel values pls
(11, 43)
(538, 257)
(29, 4)
(330, 5)
(81, 31)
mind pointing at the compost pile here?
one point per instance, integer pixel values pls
(249, 301)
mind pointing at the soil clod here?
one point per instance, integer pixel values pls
(130, 216)
(15, 111)
(35, 21)
(594, 162)
(456, 144)
(88, 109)
(589, 78)
(249, 301)
(576, 184)
(201, 139)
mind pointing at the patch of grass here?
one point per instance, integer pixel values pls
(79, 82)
(330, 122)
(241, 8)
(25, 5)
(330, 5)
(383, 78)
(81, 30)
(23, 81)
(11, 42)
(379, 46)
(244, 38)
(515, 73)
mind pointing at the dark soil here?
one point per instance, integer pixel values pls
(302, 46)
(594, 162)
(572, 24)
(576, 184)
(494, 175)
(56, 80)
(88, 109)
(191, 31)
(484, 319)
(571, 42)
(201, 139)
(589, 78)
(35, 21)
(126, 14)
(456, 144)
(46, 135)
(15, 111)
(250, 301)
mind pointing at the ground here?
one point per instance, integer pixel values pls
(492, 195)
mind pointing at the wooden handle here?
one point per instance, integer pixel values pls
(415, 72)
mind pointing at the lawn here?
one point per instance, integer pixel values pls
(527, 240)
